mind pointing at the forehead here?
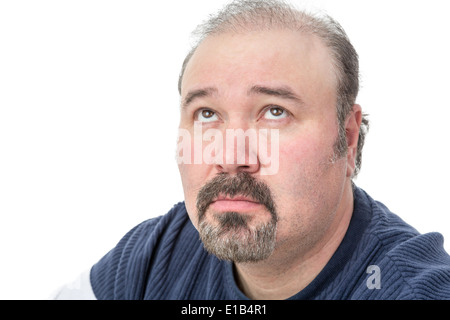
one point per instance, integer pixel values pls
(241, 60)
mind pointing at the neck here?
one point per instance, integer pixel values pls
(285, 273)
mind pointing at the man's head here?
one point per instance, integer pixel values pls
(263, 65)
(251, 15)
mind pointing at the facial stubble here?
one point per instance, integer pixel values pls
(231, 235)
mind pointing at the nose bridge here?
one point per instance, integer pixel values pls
(240, 145)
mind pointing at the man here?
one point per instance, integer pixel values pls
(284, 222)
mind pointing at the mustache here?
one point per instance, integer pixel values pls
(240, 184)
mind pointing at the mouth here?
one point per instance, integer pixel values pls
(236, 203)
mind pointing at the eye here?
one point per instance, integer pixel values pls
(274, 113)
(206, 115)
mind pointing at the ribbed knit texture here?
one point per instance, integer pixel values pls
(163, 258)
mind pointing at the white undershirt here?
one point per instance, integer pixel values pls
(79, 289)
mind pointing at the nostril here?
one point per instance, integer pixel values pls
(236, 168)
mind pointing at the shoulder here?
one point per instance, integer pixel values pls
(126, 263)
(410, 265)
(423, 266)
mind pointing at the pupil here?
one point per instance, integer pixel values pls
(276, 111)
(207, 113)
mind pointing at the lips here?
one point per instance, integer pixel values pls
(238, 193)
(237, 204)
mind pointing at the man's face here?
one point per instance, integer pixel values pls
(277, 80)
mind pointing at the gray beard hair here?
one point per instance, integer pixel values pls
(233, 240)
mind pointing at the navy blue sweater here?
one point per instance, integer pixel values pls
(380, 257)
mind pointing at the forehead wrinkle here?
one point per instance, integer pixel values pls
(283, 92)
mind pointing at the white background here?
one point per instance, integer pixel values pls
(89, 112)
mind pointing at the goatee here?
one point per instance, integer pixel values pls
(230, 237)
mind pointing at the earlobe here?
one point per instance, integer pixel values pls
(352, 126)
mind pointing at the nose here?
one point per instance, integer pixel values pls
(239, 152)
(237, 168)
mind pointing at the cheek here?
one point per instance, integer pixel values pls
(309, 187)
(307, 168)
(298, 179)
(302, 155)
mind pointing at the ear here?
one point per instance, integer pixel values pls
(352, 125)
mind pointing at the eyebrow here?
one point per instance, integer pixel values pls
(283, 92)
(199, 93)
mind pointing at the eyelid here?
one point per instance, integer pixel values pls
(267, 109)
(200, 110)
